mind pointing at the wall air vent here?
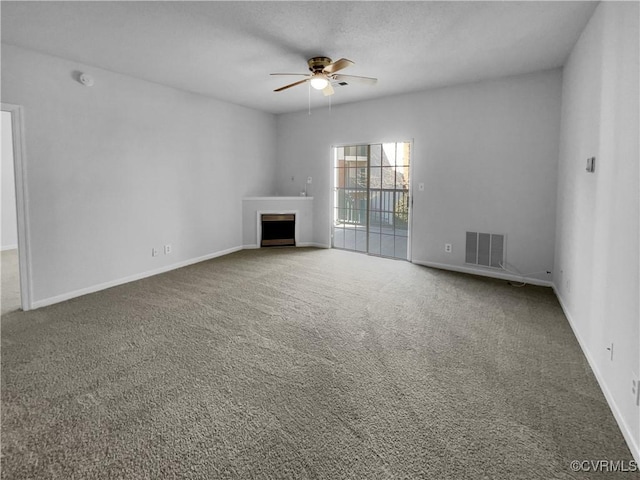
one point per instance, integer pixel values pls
(486, 249)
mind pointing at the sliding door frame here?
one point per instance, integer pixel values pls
(332, 186)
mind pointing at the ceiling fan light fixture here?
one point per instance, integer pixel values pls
(319, 82)
(323, 72)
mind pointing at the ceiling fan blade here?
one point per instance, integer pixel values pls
(302, 74)
(290, 85)
(328, 90)
(337, 65)
(356, 79)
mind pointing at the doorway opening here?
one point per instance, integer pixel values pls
(14, 271)
(372, 200)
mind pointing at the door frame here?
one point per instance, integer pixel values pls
(332, 185)
(22, 202)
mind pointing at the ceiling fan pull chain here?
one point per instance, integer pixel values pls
(309, 89)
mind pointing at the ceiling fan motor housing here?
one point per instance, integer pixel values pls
(317, 64)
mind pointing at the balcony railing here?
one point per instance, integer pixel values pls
(387, 208)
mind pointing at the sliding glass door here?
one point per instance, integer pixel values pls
(371, 198)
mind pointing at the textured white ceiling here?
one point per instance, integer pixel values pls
(227, 49)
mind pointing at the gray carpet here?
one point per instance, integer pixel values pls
(301, 363)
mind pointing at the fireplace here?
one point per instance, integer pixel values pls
(278, 229)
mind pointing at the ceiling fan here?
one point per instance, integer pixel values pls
(323, 72)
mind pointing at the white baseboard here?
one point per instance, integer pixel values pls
(250, 247)
(485, 273)
(132, 278)
(8, 247)
(626, 432)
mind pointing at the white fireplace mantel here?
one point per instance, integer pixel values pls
(254, 207)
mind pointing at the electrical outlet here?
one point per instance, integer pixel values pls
(421, 187)
(155, 252)
(309, 180)
(167, 249)
(447, 247)
(635, 390)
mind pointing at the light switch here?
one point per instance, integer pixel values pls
(421, 187)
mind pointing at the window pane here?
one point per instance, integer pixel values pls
(374, 243)
(403, 153)
(340, 198)
(401, 210)
(347, 215)
(400, 247)
(388, 154)
(386, 222)
(402, 178)
(360, 208)
(352, 178)
(338, 237)
(340, 178)
(348, 206)
(361, 163)
(386, 201)
(363, 153)
(387, 245)
(401, 230)
(350, 199)
(351, 215)
(340, 154)
(361, 240)
(374, 221)
(362, 177)
(375, 177)
(375, 155)
(341, 215)
(374, 200)
(388, 177)
(350, 238)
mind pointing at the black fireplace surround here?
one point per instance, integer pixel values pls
(278, 230)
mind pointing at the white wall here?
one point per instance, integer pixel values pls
(118, 168)
(9, 225)
(597, 252)
(487, 153)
